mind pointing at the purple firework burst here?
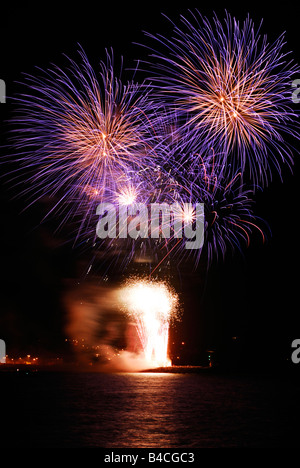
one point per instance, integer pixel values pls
(80, 136)
(232, 88)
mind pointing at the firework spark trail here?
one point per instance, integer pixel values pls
(233, 90)
(228, 213)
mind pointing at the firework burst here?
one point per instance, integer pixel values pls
(229, 218)
(232, 89)
(79, 136)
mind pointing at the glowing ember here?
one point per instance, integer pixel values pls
(151, 305)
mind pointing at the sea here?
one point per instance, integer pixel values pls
(148, 410)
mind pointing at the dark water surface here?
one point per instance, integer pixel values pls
(148, 410)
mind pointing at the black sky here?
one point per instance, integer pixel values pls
(253, 296)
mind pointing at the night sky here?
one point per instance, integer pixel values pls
(252, 296)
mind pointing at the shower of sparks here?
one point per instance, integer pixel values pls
(151, 305)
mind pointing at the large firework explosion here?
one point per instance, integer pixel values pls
(81, 136)
(216, 116)
(232, 88)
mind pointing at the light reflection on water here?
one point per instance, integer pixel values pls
(151, 410)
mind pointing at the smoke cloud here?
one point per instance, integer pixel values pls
(101, 335)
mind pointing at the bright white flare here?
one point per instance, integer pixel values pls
(151, 304)
(127, 196)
